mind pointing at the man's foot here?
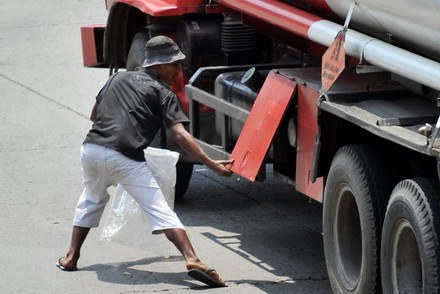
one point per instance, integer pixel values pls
(63, 265)
(204, 274)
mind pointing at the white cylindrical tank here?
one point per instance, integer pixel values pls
(416, 57)
(410, 24)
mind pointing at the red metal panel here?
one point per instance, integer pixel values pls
(164, 7)
(276, 13)
(90, 56)
(261, 125)
(307, 132)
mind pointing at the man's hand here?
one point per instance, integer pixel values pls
(221, 167)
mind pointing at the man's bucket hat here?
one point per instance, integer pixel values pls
(162, 50)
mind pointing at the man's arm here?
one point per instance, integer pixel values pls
(189, 144)
(94, 110)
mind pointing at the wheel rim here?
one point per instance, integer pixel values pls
(406, 266)
(348, 238)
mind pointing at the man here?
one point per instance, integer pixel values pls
(129, 111)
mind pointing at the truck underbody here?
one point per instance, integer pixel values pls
(367, 148)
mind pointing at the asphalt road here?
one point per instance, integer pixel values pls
(261, 237)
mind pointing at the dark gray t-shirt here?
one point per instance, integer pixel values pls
(132, 108)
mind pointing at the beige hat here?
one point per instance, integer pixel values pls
(162, 50)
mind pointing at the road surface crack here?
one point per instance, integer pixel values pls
(43, 96)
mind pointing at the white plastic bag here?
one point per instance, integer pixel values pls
(126, 222)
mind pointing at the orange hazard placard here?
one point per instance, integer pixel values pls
(261, 125)
(333, 62)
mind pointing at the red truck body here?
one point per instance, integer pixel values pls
(365, 144)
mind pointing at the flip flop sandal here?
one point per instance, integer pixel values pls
(204, 277)
(61, 267)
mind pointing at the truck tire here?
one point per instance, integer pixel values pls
(135, 59)
(410, 252)
(355, 198)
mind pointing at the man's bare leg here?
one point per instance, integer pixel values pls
(79, 234)
(180, 239)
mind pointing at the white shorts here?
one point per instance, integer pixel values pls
(103, 167)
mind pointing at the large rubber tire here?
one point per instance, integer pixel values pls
(135, 59)
(355, 198)
(410, 253)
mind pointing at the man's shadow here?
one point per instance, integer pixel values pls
(128, 273)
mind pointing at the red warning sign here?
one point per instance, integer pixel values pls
(333, 62)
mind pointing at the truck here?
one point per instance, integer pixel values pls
(340, 97)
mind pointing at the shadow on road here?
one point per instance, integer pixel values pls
(266, 224)
(133, 272)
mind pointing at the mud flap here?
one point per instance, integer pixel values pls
(261, 125)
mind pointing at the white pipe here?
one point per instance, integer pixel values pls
(376, 52)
